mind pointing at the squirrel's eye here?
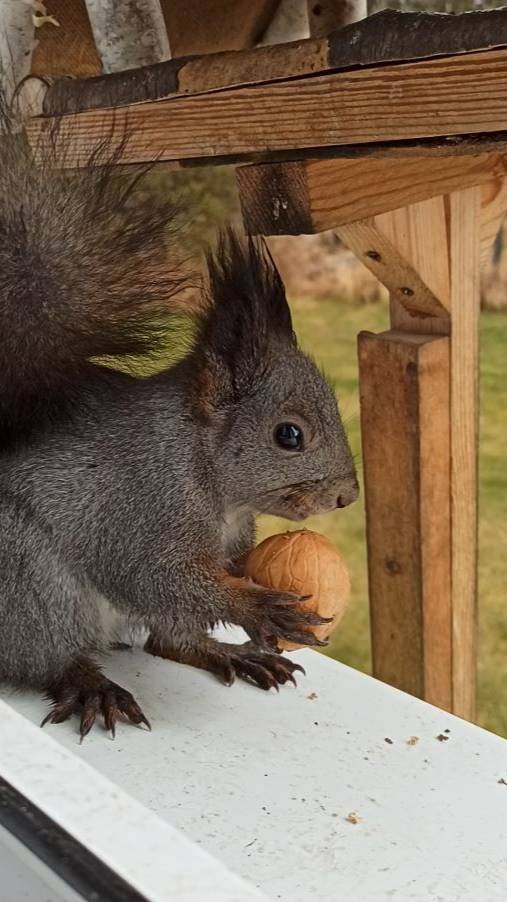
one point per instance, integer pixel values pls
(289, 437)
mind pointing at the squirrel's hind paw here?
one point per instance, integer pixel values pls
(85, 691)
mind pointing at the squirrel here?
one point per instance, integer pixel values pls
(131, 494)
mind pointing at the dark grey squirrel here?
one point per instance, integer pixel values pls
(134, 495)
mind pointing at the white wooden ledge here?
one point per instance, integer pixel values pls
(342, 789)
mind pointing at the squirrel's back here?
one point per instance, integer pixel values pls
(84, 272)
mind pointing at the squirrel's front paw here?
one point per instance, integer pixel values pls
(272, 615)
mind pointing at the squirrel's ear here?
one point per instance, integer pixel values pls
(248, 321)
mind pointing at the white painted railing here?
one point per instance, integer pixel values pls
(342, 789)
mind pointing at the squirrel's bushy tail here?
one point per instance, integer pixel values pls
(84, 272)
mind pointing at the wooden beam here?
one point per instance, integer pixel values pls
(440, 240)
(412, 100)
(404, 383)
(386, 37)
(317, 195)
(464, 267)
(411, 287)
(212, 26)
(419, 233)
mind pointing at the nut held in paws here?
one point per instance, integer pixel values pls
(307, 564)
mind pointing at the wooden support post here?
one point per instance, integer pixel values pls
(463, 210)
(405, 428)
(421, 228)
(419, 420)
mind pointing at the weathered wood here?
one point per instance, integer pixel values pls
(324, 16)
(385, 37)
(404, 388)
(211, 26)
(128, 33)
(396, 102)
(464, 262)
(70, 48)
(390, 35)
(317, 195)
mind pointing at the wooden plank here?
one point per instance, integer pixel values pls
(439, 239)
(70, 48)
(464, 250)
(317, 195)
(419, 234)
(423, 99)
(211, 26)
(493, 210)
(404, 390)
(385, 37)
(408, 290)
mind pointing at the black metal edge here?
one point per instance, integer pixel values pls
(79, 868)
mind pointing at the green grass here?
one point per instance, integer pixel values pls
(329, 331)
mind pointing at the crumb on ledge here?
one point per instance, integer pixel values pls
(353, 818)
(413, 740)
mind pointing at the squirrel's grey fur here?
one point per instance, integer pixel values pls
(140, 493)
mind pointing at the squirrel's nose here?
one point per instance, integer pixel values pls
(348, 494)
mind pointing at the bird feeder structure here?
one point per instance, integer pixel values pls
(391, 131)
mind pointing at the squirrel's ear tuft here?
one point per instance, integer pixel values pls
(249, 319)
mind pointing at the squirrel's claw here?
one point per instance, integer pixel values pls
(87, 693)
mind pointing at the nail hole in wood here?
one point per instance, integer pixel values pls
(392, 566)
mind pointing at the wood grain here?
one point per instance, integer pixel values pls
(69, 49)
(419, 234)
(439, 239)
(464, 257)
(404, 388)
(493, 210)
(389, 103)
(385, 37)
(387, 257)
(336, 192)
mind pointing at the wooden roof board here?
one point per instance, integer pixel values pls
(386, 37)
(437, 97)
